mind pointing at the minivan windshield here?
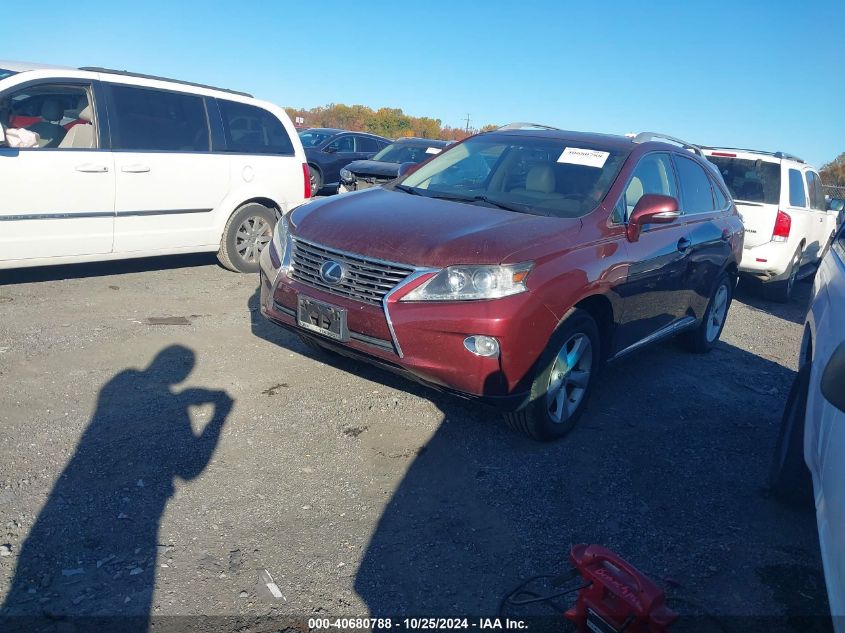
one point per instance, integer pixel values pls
(6, 73)
(750, 180)
(543, 176)
(405, 153)
(313, 139)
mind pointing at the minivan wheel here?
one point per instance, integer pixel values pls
(789, 478)
(781, 291)
(705, 336)
(316, 180)
(566, 372)
(246, 234)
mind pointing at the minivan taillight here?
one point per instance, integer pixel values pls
(783, 224)
(306, 175)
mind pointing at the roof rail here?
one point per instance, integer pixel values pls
(644, 137)
(522, 125)
(780, 155)
(126, 73)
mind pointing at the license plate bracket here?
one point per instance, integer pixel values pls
(322, 318)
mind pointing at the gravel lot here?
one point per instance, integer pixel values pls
(126, 490)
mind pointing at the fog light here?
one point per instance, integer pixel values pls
(482, 345)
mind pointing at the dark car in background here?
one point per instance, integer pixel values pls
(327, 150)
(384, 166)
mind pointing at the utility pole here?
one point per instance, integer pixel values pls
(467, 120)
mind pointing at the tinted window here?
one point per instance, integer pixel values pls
(750, 180)
(342, 144)
(721, 198)
(653, 174)
(366, 144)
(814, 186)
(797, 193)
(311, 138)
(253, 130)
(147, 119)
(405, 153)
(6, 73)
(695, 186)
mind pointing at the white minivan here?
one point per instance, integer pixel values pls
(788, 228)
(99, 164)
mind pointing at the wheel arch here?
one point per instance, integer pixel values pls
(600, 308)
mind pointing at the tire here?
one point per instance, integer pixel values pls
(548, 415)
(789, 478)
(781, 291)
(247, 232)
(316, 179)
(704, 337)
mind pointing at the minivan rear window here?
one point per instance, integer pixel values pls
(750, 180)
(253, 130)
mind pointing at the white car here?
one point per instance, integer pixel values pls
(124, 165)
(787, 225)
(811, 445)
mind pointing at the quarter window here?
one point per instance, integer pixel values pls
(721, 198)
(253, 130)
(695, 186)
(653, 174)
(797, 193)
(157, 120)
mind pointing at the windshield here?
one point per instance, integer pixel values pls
(533, 175)
(750, 180)
(313, 139)
(404, 153)
(6, 73)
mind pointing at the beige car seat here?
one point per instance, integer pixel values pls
(81, 135)
(49, 130)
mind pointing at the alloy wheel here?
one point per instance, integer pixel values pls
(251, 237)
(569, 378)
(718, 312)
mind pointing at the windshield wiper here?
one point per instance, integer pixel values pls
(407, 189)
(482, 198)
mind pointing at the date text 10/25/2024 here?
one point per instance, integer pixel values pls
(416, 624)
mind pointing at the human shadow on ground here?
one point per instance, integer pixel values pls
(89, 561)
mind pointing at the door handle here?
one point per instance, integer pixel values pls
(135, 169)
(683, 245)
(91, 168)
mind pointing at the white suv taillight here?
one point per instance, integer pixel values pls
(306, 174)
(783, 224)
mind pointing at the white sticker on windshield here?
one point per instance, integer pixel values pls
(432, 150)
(586, 157)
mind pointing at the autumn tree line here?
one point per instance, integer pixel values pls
(833, 173)
(387, 122)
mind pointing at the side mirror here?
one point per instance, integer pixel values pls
(652, 208)
(833, 378)
(330, 149)
(3, 142)
(407, 168)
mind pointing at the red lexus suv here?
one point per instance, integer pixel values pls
(510, 267)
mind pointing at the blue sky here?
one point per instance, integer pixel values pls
(766, 75)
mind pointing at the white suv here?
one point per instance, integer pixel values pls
(810, 453)
(124, 165)
(787, 226)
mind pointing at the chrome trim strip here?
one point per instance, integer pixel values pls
(371, 340)
(419, 272)
(57, 216)
(161, 212)
(672, 328)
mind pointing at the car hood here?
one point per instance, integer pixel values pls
(424, 231)
(373, 168)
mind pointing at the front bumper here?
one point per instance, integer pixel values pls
(424, 341)
(768, 262)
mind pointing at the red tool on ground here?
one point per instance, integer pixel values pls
(616, 597)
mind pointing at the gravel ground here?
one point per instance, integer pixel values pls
(163, 449)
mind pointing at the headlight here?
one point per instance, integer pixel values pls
(280, 242)
(346, 175)
(459, 283)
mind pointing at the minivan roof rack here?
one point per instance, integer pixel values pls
(126, 73)
(523, 125)
(780, 155)
(644, 137)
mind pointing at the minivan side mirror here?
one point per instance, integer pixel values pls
(833, 378)
(407, 168)
(652, 208)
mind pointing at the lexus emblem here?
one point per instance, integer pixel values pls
(331, 272)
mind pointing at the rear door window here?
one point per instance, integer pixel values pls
(253, 130)
(750, 180)
(814, 185)
(696, 191)
(157, 120)
(342, 144)
(797, 192)
(366, 144)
